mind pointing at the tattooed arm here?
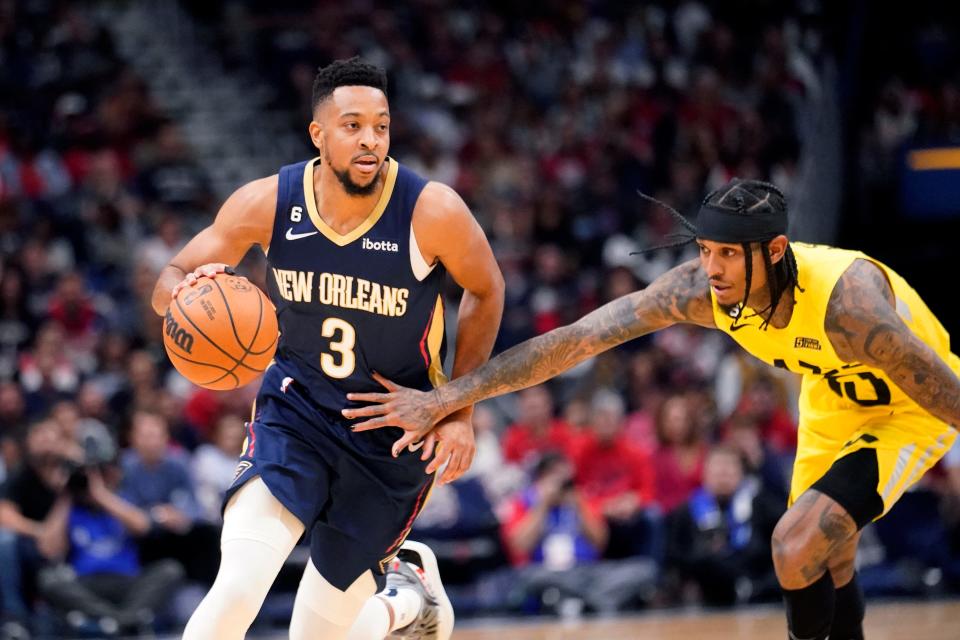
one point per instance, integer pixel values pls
(680, 295)
(863, 326)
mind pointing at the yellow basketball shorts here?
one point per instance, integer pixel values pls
(906, 444)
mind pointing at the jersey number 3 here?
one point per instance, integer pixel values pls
(343, 339)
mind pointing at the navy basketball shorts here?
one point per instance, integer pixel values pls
(356, 501)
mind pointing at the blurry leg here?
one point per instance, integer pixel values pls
(323, 611)
(258, 535)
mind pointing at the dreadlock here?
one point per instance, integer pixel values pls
(751, 197)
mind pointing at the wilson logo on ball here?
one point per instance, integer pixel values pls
(180, 336)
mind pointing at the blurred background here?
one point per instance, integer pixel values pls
(647, 478)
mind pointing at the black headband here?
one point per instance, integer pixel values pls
(728, 225)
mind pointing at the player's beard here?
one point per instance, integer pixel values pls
(351, 187)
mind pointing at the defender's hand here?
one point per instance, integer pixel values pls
(413, 411)
(207, 270)
(457, 447)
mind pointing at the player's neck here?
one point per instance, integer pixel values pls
(339, 209)
(760, 300)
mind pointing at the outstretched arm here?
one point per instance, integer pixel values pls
(863, 326)
(680, 295)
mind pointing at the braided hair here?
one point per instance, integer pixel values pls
(751, 197)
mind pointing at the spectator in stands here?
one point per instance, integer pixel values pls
(550, 522)
(157, 480)
(26, 511)
(720, 538)
(537, 431)
(680, 454)
(103, 586)
(617, 479)
(214, 465)
(764, 405)
(47, 373)
(771, 469)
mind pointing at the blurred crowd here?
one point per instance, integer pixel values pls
(650, 476)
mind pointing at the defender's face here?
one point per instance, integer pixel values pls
(351, 129)
(726, 269)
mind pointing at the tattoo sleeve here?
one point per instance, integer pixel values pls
(863, 326)
(680, 295)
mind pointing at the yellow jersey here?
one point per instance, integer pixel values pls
(829, 384)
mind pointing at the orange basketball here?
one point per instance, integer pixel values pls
(221, 333)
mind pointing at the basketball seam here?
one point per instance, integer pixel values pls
(200, 331)
(231, 369)
(228, 372)
(233, 325)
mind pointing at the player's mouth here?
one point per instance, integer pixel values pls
(366, 164)
(720, 289)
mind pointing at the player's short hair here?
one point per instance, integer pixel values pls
(755, 198)
(352, 72)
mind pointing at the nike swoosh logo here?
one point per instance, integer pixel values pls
(296, 236)
(415, 446)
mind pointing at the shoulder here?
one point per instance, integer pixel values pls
(257, 193)
(439, 203)
(862, 299)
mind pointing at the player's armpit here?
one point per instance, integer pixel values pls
(863, 326)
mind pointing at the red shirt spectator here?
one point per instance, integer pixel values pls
(613, 473)
(680, 456)
(537, 431)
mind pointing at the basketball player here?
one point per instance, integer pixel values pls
(880, 388)
(357, 249)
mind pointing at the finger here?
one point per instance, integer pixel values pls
(428, 445)
(370, 397)
(374, 423)
(391, 386)
(443, 456)
(452, 472)
(363, 412)
(408, 438)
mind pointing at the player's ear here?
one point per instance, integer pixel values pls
(777, 247)
(316, 134)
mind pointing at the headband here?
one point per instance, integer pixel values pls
(730, 225)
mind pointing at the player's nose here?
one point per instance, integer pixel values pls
(368, 139)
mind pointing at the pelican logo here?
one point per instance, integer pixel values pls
(180, 336)
(238, 284)
(806, 343)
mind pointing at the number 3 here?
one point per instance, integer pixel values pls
(344, 346)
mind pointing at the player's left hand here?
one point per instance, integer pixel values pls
(454, 435)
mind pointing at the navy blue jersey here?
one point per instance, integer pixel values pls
(349, 305)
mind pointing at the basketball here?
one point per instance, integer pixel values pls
(220, 333)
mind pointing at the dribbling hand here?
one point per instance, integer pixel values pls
(207, 270)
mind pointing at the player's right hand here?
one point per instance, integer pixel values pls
(203, 271)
